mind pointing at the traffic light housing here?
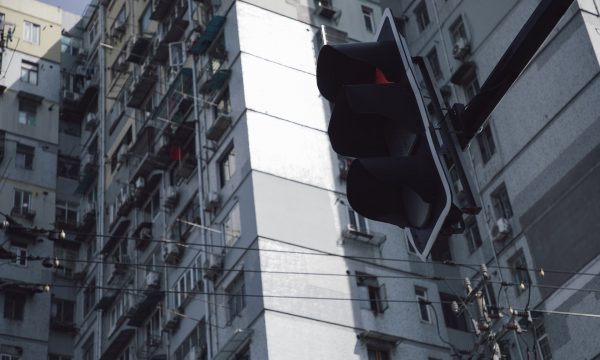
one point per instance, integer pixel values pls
(379, 118)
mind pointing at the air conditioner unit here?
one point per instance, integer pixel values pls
(219, 126)
(162, 142)
(124, 192)
(461, 49)
(140, 182)
(152, 279)
(213, 266)
(172, 197)
(121, 65)
(119, 27)
(91, 120)
(171, 253)
(70, 95)
(500, 230)
(146, 233)
(122, 154)
(325, 9)
(213, 201)
(172, 320)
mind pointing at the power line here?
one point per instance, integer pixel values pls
(317, 252)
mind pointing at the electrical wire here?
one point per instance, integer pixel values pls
(317, 252)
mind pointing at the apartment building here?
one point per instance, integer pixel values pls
(532, 165)
(213, 222)
(185, 156)
(38, 165)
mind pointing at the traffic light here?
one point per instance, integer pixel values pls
(379, 119)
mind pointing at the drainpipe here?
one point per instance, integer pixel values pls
(101, 175)
(201, 197)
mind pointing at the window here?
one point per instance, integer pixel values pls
(31, 32)
(422, 16)
(191, 214)
(27, 113)
(70, 45)
(518, 270)
(68, 259)
(152, 206)
(458, 30)
(373, 295)
(472, 234)
(69, 128)
(184, 287)
(14, 306)
(24, 157)
(117, 311)
(22, 202)
(29, 72)
(367, 13)
(486, 144)
(9, 357)
(217, 54)
(89, 298)
(421, 295)
(377, 354)
(195, 339)
(21, 252)
(434, 62)
(227, 166)
(58, 357)
(152, 330)
(452, 320)
(501, 202)
(223, 104)
(68, 167)
(543, 342)
(66, 213)
(357, 222)
(236, 292)
(144, 21)
(63, 311)
(232, 226)
(441, 251)
(88, 349)
(471, 86)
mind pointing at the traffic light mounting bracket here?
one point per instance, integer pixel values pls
(449, 142)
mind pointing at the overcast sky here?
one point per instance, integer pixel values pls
(74, 6)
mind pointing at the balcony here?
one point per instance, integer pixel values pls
(143, 81)
(117, 231)
(174, 29)
(150, 154)
(216, 81)
(143, 234)
(137, 48)
(125, 201)
(203, 42)
(62, 325)
(218, 127)
(178, 101)
(147, 303)
(90, 88)
(160, 9)
(23, 212)
(159, 50)
(118, 341)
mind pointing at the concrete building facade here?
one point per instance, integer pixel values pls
(38, 321)
(186, 158)
(532, 164)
